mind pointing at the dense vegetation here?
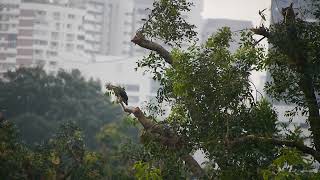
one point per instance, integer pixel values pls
(60, 126)
(209, 90)
(213, 109)
(38, 103)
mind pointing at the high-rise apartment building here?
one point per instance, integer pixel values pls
(46, 30)
(36, 32)
(9, 21)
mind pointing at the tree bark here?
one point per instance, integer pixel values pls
(307, 87)
(140, 40)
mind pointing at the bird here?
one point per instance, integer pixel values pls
(262, 14)
(119, 92)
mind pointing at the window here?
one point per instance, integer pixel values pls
(51, 53)
(132, 87)
(38, 22)
(38, 52)
(54, 45)
(12, 44)
(71, 16)
(69, 47)
(12, 37)
(57, 26)
(55, 35)
(80, 47)
(4, 27)
(40, 42)
(80, 37)
(56, 15)
(69, 26)
(40, 32)
(70, 37)
(41, 13)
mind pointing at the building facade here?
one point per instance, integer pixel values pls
(36, 32)
(47, 30)
(9, 21)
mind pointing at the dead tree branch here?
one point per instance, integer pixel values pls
(140, 40)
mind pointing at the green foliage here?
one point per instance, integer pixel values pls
(210, 92)
(285, 85)
(119, 146)
(39, 102)
(63, 156)
(165, 22)
(290, 164)
(211, 95)
(144, 171)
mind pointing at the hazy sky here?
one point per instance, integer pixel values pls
(235, 9)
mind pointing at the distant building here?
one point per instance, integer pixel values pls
(47, 30)
(36, 33)
(9, 21)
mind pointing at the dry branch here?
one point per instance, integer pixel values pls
(140, 40)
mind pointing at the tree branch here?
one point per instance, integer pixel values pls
(278, 142)
(140, 40)
(170, 140)
(262, 31)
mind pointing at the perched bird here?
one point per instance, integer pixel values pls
(120, 92)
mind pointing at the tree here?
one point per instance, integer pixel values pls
(39, 102)
(64, 156)
(209, 90)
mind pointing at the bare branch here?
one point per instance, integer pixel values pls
(140, 40)
(278, 142)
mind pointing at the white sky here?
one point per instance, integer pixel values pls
(235, 9)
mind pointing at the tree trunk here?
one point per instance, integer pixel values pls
(307, 87)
